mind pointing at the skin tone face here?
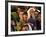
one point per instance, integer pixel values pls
(21, 15)
(36, 13)
(31, 12)
(23, 29)
(26, 28)
(25, 17)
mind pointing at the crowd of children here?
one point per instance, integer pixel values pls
(25, 18)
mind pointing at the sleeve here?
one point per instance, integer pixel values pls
(30, 28)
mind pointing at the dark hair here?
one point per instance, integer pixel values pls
(25, 13)
(24, 26)
(36, 11)
(22, 7)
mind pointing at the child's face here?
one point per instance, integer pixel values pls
(23, 29)
(31, 12)
(21, 15)
(25, 17)
(26, 28)
(36, 13)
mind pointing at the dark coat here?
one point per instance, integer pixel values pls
(38, 25)
(33, 21)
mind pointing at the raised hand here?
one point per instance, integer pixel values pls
(30, 12)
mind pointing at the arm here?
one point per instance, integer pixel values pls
(29, 11)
